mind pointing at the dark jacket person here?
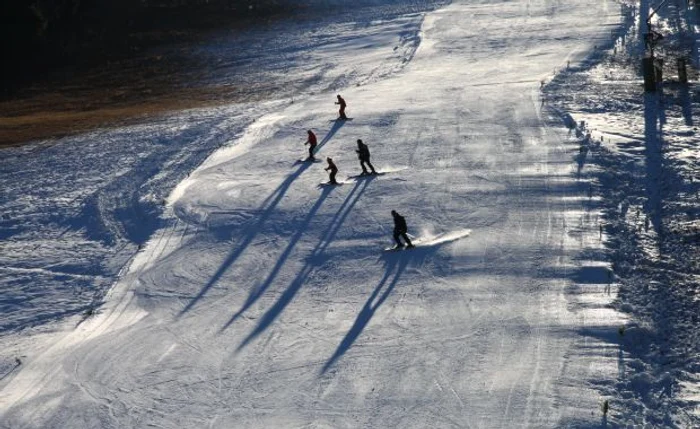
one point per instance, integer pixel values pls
(400, 230)
(363, 155)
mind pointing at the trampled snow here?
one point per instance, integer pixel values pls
(639, 155)
(262, 300)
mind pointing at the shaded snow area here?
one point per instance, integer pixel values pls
(312, 50)
(75, 210)
(260, 297)
(638, 156)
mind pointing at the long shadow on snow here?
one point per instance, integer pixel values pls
(266, 208)
(626, 344)
(395, 264)
(314, 260)
(257, 292)
(653, 129)
(648, 289)
(686, 104)
(334, 129)
(655, 295)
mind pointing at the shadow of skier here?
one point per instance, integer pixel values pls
(257, 292)
(337, 125)
(395, 264)
(300, 279)
(267, 208)
(393, 269)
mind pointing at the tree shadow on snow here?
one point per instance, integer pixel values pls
(267, 208)
(686, 105)
(653, 137)
(313, 261)
(626, 343)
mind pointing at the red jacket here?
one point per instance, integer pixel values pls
(312, 139)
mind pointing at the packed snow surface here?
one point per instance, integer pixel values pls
(265, 300)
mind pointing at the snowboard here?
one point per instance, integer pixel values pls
(328, 184)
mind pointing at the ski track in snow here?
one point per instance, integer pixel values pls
(267, 302)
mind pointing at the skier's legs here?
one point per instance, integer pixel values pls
(408, 240)
(311, 152)
(364, 169)
(341, 113)
(371, 167)
(333, 173)
(397, 234)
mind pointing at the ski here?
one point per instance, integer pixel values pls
(366, 176)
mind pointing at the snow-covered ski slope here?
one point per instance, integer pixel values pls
(268, 302)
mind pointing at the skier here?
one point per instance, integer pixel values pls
(363, 155)
(341, 112)
(400, 230)
(312, 142)
(333, 171)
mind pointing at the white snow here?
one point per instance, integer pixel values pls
(264, 300)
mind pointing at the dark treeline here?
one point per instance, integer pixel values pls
(39, 34)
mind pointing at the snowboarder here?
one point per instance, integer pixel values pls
(312, 142)
(400, 230)
(363, 155)
(333, 171)
(341, 112)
